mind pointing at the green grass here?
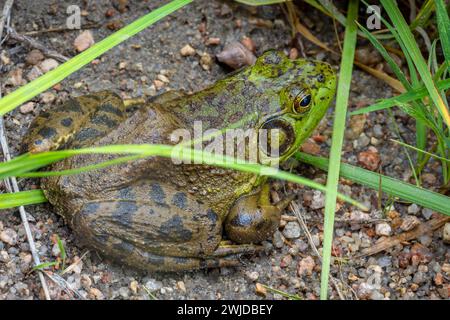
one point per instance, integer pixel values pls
(24, 166)
(391, 186)
(342, 95)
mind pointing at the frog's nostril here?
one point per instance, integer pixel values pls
(276, 136)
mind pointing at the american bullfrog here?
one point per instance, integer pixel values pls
(158, 215)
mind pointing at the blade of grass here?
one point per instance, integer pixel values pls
(62, 251)
(22, 166)
(443, 23)
(421, 151)
(411, 45)
(44, 265)
(391, 186)
(343, 92)
(416, 94)
(24, 198)
(51, 78)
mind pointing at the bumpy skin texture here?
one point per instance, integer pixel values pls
(160, 216)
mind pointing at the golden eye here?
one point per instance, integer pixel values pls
(302, 102)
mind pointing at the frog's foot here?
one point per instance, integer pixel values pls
(126, 253)
(226, 249)
(253, 218)
(83, 120)
(224, 256)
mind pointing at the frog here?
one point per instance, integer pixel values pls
(155, 214)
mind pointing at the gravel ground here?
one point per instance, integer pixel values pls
(149, 64)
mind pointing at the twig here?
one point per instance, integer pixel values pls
(294, 207)
(421, 229)
(50, 30)
(35, 44)
(12, 186)
(5, 16)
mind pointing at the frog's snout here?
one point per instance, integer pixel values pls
(276, 136)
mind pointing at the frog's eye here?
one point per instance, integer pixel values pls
(302, 102)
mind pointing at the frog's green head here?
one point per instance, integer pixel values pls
(297, 94)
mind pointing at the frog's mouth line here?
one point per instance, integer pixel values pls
(285, 134)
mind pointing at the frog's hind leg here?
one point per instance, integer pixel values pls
(77, 120)
(154, 227)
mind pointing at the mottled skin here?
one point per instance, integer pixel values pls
(157, 215)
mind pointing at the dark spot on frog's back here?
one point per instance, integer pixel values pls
(67, 122)
(87, 133)
(47, 132)
(124, 213)
(213, 218)
(175, 229)
(108, 107)
(101, 119)
(180, 200)
(157, 194)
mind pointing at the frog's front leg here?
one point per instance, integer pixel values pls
(79, 120)
(253, 218)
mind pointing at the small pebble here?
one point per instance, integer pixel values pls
(278, 240)
(84, 41)
(96, 294)
(153, 285)
(48, 97)
(162, 78)
(27, 107)
(212, 41)
(427, 213)
(413, 209)
(134, 285)
(369, 159)
(292, 230)
(260, 290)
(34, 57)
(409, 223)
(252, 276)
(236, 55)
(206, 61)
(181, 286)
(318, 200)
(306, 266)
(446, 233)
(187, 50)
(9, 236)
(48, 64)
(383, 229)
(15, 77)
(286, 261)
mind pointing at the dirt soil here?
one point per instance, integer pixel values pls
(418, 269)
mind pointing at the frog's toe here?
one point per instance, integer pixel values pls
(225, 249)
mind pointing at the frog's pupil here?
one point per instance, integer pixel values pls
(306, 101)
